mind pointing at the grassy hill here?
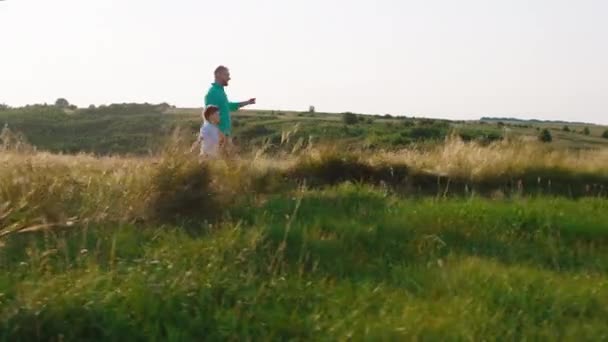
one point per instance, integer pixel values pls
(326, 227)
(143, 128)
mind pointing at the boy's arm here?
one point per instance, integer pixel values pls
(222, 138)
(198, 140)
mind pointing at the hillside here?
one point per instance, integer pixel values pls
(142, 128)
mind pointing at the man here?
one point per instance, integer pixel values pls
(216, 96)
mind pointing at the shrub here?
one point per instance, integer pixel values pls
(479, 135)
(545, 136)
(180, 189)
(428, 133)
(331, 167)
(349, 118)
(62, 103)
(256, 131)
(4, 107)
(605, 134)
(428, 122)
(401, 140)
(586, 131)
(13, 141)
(566, 129)
(491, 137)
(353, 132)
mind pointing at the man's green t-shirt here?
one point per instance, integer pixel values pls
(217, 96)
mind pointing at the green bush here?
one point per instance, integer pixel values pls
(349, 118)
(484, 137)
(545, 136)
(566, 129)
(428, 133)
(605, 134)
(401, 140)
(586, 131)
(256, 131)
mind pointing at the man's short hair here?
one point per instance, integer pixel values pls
(220, 69)
(210, 110)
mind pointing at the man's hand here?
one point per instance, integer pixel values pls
(246, 103)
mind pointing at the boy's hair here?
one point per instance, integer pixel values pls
(210, 110)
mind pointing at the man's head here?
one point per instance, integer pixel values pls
(212, 114)
(222, 75)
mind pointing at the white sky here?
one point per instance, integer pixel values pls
(544, 59)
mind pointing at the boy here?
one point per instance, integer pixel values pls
(210, 136)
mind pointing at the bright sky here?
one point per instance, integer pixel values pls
(462, 59)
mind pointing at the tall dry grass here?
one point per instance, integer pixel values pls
(39, 190)
(459, 159)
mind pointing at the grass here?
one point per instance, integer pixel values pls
(319, 244)
(347, 262)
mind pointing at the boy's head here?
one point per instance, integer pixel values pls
(212, 114)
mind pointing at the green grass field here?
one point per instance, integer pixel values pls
(346, 262)
(457, 239)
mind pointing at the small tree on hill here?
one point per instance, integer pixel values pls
(605, 134)
(62, 103)
(586, 131)
(566, 129)
(311, 109)
(545, 136)
(350, 118)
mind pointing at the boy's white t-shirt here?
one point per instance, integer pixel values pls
(210, 135)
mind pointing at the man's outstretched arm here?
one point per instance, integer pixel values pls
(238, 105)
